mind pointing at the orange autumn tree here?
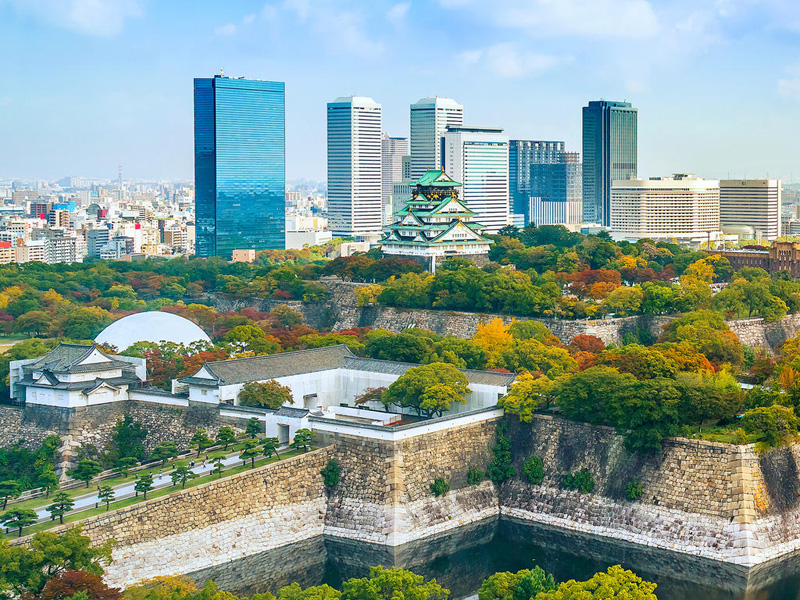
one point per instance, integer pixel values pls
(493, 337)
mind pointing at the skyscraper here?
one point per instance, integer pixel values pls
(478, 158)
(609, 154)
(239, 165)
(755, 203)
(354, 167)
(430, 118)
(545, 182)
(393, 151)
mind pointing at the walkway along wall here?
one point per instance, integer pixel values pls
(713, 500)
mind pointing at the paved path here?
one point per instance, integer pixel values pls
(126, 490)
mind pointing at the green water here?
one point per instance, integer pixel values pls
(460, 560)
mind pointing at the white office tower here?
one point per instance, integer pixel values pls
(430, 118)
(354, 167)
(478, 158)
(754, 203)
(394, 150)
(681, 208)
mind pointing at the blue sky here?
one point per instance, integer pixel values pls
(89, 84)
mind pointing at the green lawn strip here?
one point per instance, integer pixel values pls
(85, 514)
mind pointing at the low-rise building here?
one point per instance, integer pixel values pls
(782, 256)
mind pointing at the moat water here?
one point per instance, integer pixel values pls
(460, 560)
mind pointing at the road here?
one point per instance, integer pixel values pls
(126, 490)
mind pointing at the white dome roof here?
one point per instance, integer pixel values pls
(151, 327)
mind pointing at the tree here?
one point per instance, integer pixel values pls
(164, 451)
(527, 395)
(615, 583)
(523, 585)
(226, 436)
(47, 479)
(270, 445)
(500, 467)
(250, 451)
(369, 395)
(624, 301)
(392, 584)
(34, 322)
(533, 355)
(62, 504)
(330, 474)
(267, 394)
(302, 439)
(428, 389)
(704, 397)
(8, 491)
(125, 464)
(127, 439)
(17, 518)
(253, 427)
(86, 471)
(775, 424)
(493, 337)
(106, 494)
(285, 316)
(27, 569)
(144, 483)
(249, 338)
(182, 475)
(70, 583)
(219, 466)
(200, 441)
(533, 469)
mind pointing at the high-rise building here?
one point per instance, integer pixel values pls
(609, 154)
(393, 151)
(354, 167)
(430, 118)
(478, 158)
(545, 183)
(755, 203)
(239, 165)
(683, 208)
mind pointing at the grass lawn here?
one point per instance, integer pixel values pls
(725, 434)
(6, 341)
(79, 516)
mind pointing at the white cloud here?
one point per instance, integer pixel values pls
(508, 60)
(789, 87)
(225, 30)
(92, 17)
(249, 18)
(397, 14)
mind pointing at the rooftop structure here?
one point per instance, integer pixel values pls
(154, 326)
(435, 224)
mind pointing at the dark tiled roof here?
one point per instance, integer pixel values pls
(261, 368)
(398, 368)
(288, 411)
(64, 358)
(81, 385)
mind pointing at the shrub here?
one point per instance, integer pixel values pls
(330, 474)
(580, 480)
(534, 470)
(439, 487)
(500, 468)
(775, 424)
(475, 476)
(633, 491)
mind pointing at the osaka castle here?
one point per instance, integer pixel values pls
(435, 225)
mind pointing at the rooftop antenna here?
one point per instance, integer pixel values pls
(119, 195)
(221, 72)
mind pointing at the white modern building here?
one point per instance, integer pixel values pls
(430, 118)
(684, 208)
(478, 158)
(354, 167)
(753, 203)
(393, 151)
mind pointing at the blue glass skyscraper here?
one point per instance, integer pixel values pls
(239, 165)
(609, 153)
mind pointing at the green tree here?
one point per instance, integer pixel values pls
(200, 441)
(533, 355)
(330, 474)
(704, 397)
(315, 592)
(127, 439)
(86, 471)
(219, 466)
(164, 451)
(500, 467)
(267, 394)
(774, 424)
(302, 439)
(615, 583)
(270, 445)
(533, 468)
(125, 464)
(527, 395)
(392, 584)
(62, 504)
(522, 585)
(411, 390)
(226, 436)
(624, 301)
(17, 518)
(47, 479)
(144, 483)
(253, 427)
(250, 338)
(106, 494)
(250, 451)
(182, 475)
(9, 490)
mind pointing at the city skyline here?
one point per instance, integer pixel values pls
(676, 63)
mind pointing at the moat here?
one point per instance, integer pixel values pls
(461, 559)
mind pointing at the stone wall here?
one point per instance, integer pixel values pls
(223, 520)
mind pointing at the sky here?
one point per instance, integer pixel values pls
(87, 85)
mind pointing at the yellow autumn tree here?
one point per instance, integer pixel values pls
(528, 394)
(493, 337)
